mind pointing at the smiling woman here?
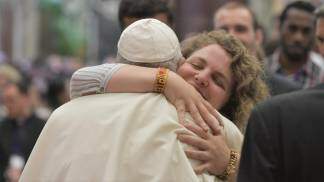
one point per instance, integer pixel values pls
(208, 70)
(236, 73)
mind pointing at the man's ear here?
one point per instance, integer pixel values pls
(182, 60)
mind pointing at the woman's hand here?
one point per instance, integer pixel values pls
(186, 98)
(211, 150)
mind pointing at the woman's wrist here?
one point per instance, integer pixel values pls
(170, 90)
(160, 80)
(231, 166)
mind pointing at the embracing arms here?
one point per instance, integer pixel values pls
(119, 78)
(129, 78)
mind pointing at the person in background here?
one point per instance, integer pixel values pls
(239, 20)
(132, 10)
(294, 58)
(57, 92)
(7, 74)
(319, 29)
(19, 130)
(284, 140)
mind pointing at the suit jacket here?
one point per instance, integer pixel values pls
(284, 139)
(26, 135)
(115, 137)
(279, 85)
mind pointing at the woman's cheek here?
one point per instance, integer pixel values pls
(185, 70)
(218, 97)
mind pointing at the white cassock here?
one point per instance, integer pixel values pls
(124, 137)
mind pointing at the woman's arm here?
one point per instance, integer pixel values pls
(130, 78)
(92, 80)
(181, 94)
(111, 77)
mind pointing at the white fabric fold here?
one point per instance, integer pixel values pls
(122, 137)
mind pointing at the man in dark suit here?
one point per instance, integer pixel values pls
(284, 139)
(19, 130)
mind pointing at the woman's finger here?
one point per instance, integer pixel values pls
(181, 110)
(197, 130)
(201, 168)
(214, 112)
(197, 155)
(211, 121)
(194, 141)
(183, 131)
(197, 117)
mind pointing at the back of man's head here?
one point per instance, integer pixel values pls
(151, 43)
(300, 5)
(132, 10)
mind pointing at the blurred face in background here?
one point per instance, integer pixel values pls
(319, 33)
(3, 81)
(297, 34)
(239, 23)
(14, 101)
(163, 17)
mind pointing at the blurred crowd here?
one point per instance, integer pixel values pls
(47, 81)
(31, 90)
(29, 93)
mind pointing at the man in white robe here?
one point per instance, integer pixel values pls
(116, 137)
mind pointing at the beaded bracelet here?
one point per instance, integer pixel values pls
(160, 80)
(230, 167)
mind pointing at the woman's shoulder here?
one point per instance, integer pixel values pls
(92, 79)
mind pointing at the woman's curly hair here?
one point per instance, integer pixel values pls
(248, 73)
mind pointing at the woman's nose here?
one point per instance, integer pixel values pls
(201, 80)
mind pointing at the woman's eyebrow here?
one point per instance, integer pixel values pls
(201, 59)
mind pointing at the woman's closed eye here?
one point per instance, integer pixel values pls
(218, 81)
(196, 65)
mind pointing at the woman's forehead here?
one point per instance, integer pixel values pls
(212, 51)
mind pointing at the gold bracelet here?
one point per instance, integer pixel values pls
(230, 167)
(160, 80)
